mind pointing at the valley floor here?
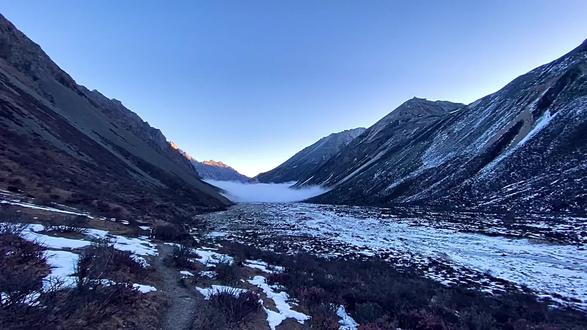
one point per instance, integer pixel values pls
(545, 256)
(294, 266)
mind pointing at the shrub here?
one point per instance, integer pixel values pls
(23, 265)
(181, 257)
(367, 312)
(80, 221)
(208, 317)
(102, 261)
(170, 232)
(227, 272)
(11, 229)
(324, 317)
(236, 305)
(227, 309)
(313, 296)
(104, 297)
(477, 320)
(380, 297)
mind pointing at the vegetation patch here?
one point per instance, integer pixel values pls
(103, 298)
(379, 297)
(226, 309)
(101, 261)
(182, 257)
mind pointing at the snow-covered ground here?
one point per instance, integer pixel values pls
(263, 266)
(281, 301)
(42, 208)
(217, 289)
(346, 321)
(546, 268)
(63, 261)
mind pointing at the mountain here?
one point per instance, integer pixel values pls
(310, 158)
(409, 122)
(102, 156)
(521, 150)
(213, 170)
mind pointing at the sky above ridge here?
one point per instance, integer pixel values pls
(250, 83)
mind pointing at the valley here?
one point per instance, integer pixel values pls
(487, 254)
(308, 265)
(439, 215)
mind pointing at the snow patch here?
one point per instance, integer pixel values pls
(216, 234)
(144, 288)
(218, 289)
(207, 273)
(63, 264)
(211, 258)
(263, 266)
(280, 299)
(346, 321)
(43, 208)
(540, 125)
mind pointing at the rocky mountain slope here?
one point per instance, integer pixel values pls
(310, 158)
(61, 142)
(214, 170)
(521, 149)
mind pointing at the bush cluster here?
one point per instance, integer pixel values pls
(182, 257)
(227, 309)
(101, 261)
(379, 297)
(170, 233)
(104, 297)
(228, 272)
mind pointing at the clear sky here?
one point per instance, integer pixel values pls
(252, 82)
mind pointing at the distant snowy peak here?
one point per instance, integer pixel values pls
(216, 170)
(215, 163)
(310, 158)
(176, 147)
(211, 169)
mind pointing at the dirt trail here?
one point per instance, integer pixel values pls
(180, 314)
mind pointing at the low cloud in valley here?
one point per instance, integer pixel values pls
(265, 192)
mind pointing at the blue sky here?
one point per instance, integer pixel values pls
(252, 82)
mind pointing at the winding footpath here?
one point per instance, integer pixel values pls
(182, 301)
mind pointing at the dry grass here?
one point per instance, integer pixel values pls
(228, 310)
(92, 304)
(379, 297)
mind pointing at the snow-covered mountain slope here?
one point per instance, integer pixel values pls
(521, 149)
(310, 158)
(409, 122)
(215, 170)
(63, 142)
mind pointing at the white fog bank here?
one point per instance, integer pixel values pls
(265, 192)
